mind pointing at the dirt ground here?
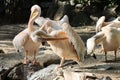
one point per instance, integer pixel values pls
(9, 57)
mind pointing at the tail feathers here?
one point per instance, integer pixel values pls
(17, 47)
(18, 51)
(76, 40)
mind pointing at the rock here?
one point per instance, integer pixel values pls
(3, 73)
(59, 78)
(6, 50)
(48, 58)
(70, 75)
(22, 72)
(1, 51)
(106, 78)
(104, 67)
(59, 74)
(44, 74)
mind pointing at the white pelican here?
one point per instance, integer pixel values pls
(23, 40)
(69, 46)
(101, 23)
(109, 38)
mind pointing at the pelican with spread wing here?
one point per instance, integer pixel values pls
(66, 43)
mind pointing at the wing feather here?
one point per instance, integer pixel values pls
(20, 40)
(75, 40)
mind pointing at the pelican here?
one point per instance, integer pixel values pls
(23, 39)
(69, 46)
(109, 38)
(101, 23)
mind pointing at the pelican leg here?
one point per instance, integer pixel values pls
(25, 58)
(34, 58)
(61, 64)
(78, 61)
(115, 54)
(105, 56)
(62, 61)
(101, 50)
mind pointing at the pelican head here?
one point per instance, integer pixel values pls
(35, 11)
(90, 48)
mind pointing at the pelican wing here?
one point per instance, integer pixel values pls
(57, 24)
(64, 20)
(20, 40)
(40, 21)
(39, 36)
(75, 40)
(99, 23)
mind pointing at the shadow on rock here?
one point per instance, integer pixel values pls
(20, 72)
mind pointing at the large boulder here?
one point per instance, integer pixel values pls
(44, 74)
(23, 72)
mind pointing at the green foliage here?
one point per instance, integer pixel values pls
(111, 2)
(19, 10)
(82, 1)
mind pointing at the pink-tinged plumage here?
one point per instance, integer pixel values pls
(23, 39)
(109, 38)
(66, 49)
(101, 23)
